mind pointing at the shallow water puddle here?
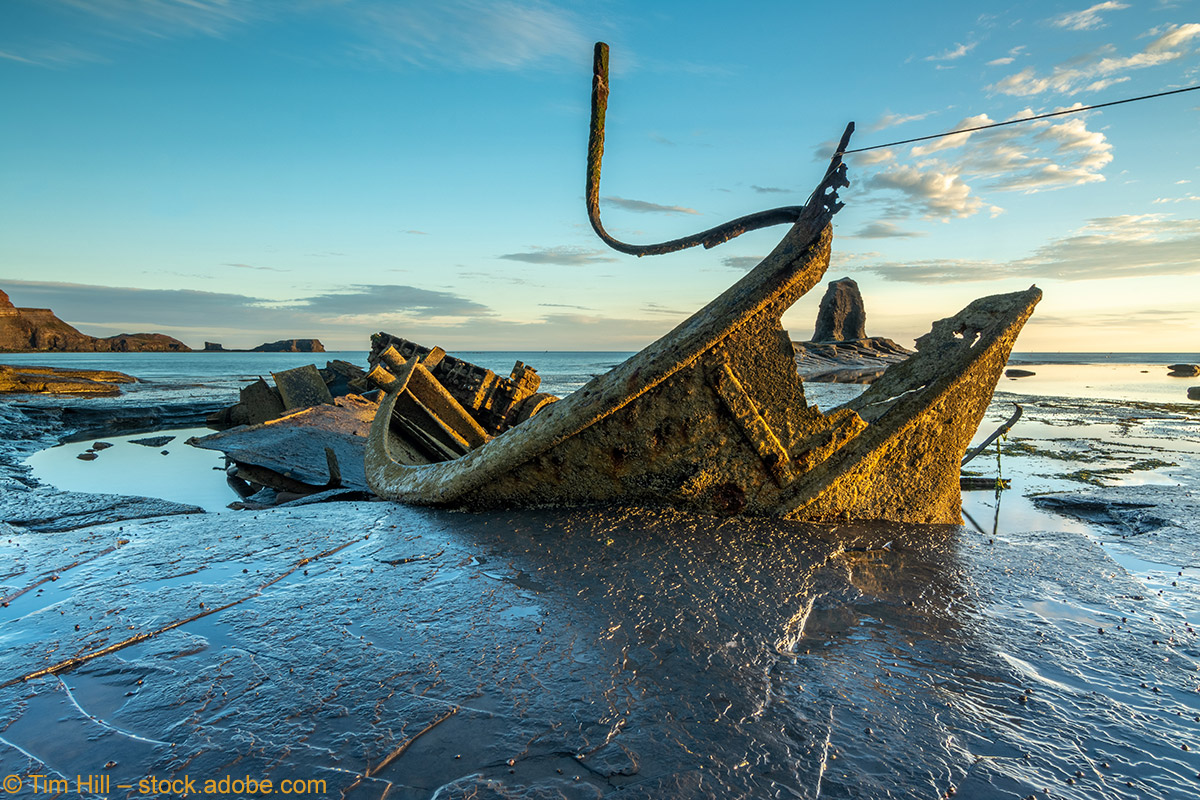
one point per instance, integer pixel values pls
(185, 474)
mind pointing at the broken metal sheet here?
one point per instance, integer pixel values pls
(302, 387)
(294, 445)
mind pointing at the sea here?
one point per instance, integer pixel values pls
(1037, 650)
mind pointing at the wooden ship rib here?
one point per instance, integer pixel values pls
(712, 417)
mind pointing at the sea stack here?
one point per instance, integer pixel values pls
(842, 317)
(840, 350)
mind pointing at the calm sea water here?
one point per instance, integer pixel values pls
(184, 375)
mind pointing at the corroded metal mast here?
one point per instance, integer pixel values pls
(835, 177)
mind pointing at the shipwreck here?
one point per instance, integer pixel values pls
(712, 417)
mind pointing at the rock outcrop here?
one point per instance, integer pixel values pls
(291, 346)
(38, 329)
(842, 317)
(1184, 370)
(52, 380)
(281, 346)
(840, 350)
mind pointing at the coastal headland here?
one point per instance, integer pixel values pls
(29, 330)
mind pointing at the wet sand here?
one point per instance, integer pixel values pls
(405, 652)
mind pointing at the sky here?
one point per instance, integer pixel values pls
(241, 171)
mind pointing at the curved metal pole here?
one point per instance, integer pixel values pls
(834, 177)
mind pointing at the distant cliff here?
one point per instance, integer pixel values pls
(292, 346)
(38, 329)
(282, 346)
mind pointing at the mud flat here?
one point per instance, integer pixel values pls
(27, 427)
(385, 649)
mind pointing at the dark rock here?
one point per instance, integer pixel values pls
(153, 441)
(85, 422)
(1194, 393)
(54, 380)
(101, 445)
(847, 362)
(141, 343)
(48, 510)
(88, 456)
(1018, 373)
(213, 347)
(1184, 370)
(291, 346)
(841, 351)
(841, 316)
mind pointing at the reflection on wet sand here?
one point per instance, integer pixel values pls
(626, 650)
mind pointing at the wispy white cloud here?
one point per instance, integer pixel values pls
(1037, 156)
(564, 256)
(89, 31)
(1099, 69)
(656, 308)
(342, 319)
(1012, 56)
(170, 18)
(1088, 19)
(890, 120)
(643, 207)
(458, 34)
(470, 34)
(15, 57)
(252, 266)
(1132, 245)
(882, 229)
(937, 193)
(744, 263)
(411, 301)
(52, 55)
(953, 53)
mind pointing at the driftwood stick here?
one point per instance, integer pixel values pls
(785, 215)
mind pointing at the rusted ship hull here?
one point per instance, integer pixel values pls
(713, 418)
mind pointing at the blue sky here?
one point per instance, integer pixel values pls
(246, 171)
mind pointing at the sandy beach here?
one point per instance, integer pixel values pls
(372, 649)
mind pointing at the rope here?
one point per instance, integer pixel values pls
(1024, 119)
